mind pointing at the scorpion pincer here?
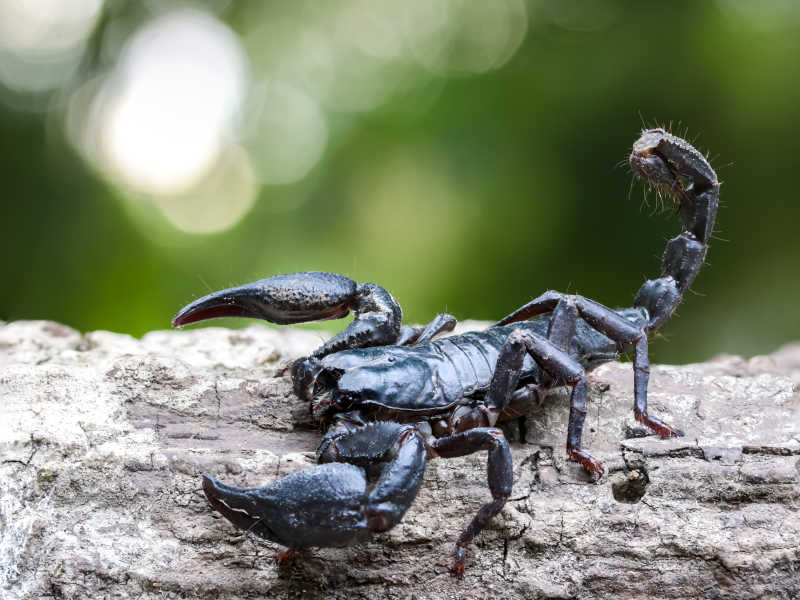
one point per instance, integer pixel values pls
(394, 397)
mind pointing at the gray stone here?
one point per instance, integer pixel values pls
(103, 439)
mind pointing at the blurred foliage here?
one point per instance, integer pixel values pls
(468, 194)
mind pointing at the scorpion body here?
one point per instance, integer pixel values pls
(394, 397)
(442, 374)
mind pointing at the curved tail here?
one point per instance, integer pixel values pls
(661, 158)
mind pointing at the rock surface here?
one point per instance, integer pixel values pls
(103, 439)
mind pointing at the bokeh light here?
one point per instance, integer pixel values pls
(764, 14)
(289, 50)
(42, 43)
(452, 37)
(373, 27)
(580, 15)
(407, 195)
(460, 152)
(184, 105)
(286, 134)
(218, 200)
(164, 123)
(172, 102)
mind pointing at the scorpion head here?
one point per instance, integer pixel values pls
(384, 376)
(392, 379)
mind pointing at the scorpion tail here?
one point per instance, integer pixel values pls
(663, 159)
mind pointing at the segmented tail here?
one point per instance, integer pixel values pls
(663, 159)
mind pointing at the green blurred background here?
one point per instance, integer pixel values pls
(465, 154)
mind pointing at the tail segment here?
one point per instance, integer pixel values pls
(661, 158)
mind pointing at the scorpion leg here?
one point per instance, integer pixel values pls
(503, 398)
(538, 306)
(558, 365)
(561, 331)
(523, 400)
(411, 335)
(369, 477)
(609, 322)
(626, 334)
(641, 376)
(499, 472)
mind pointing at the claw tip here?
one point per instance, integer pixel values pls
(208, 483)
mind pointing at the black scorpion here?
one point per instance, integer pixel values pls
(395, 397)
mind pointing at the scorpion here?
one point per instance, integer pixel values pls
(394, 397)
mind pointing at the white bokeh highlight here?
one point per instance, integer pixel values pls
(196, 118)
(219, 200)
(177, 92)
(43, 41)
(286, 134)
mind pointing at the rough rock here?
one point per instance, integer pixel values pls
(103, 439)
